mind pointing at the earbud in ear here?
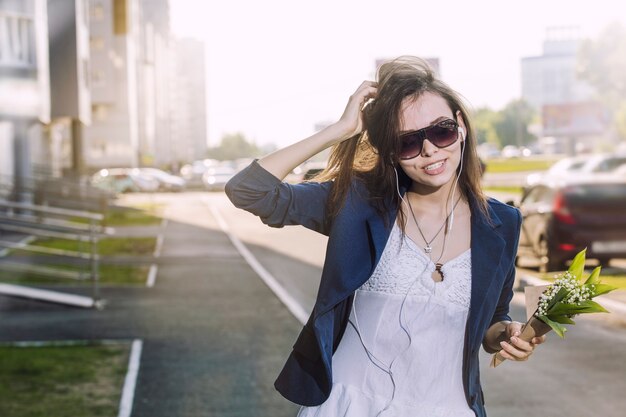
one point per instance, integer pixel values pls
(462, 132)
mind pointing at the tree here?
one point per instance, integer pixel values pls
(233, 146)
(602, 63)
(511, 125)
(484, 126)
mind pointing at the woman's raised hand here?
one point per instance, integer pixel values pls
(279, 163)
(351, 120)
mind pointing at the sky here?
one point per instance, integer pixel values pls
(276, 68)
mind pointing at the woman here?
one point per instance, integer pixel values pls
(419, 266)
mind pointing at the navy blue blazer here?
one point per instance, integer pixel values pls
(356, 238)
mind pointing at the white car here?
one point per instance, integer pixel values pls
(579, 165)
(124, 180)
(192, 173)
(215, 178)
(559, 168)
(167, 181)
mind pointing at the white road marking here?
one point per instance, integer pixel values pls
(152, 273)
(130, 382)
(292, 305)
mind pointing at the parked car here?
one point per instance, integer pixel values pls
(192, 173)
(559, 168)
(307, 171)
(167, 181)
(511, 151)
(602, 163)
(578, 165)
(124, 180)
(215, 178)
(563, 216)
(620, 171)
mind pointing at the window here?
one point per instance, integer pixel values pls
(96, 43)
(97, 12)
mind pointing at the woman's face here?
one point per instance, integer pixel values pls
(434, 167)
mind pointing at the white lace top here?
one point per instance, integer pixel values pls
(402, 353)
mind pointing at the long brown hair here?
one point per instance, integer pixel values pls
(371, 155)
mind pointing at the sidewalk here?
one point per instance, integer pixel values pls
(214, 336)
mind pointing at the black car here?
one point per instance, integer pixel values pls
(564, 216)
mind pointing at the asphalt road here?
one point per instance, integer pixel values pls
(580, 376)
(209, 349)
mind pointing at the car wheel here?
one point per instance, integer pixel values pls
(604, 262)
(547, 261)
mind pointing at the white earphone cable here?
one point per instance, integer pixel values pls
(380, 364)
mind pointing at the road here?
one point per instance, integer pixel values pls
(583, 375)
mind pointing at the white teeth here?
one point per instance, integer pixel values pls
(433, 166)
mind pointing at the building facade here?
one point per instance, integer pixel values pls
(189, 116)
(112, 139)
(572, 118)
(24, 91)
(88, 84)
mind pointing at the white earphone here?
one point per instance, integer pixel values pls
(456, 181)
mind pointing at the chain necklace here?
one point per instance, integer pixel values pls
(428, 248)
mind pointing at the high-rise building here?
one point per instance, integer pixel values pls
(24, 89)
(189, 110)
(571, 116)
(68, 29)
(113, 137)
(154, 89)
(550, 78)
(131, 79)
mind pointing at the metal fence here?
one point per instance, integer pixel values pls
(23, 229)
(66, 193)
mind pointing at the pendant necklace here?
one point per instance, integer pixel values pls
(428, 248)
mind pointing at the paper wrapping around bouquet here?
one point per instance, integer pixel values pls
(533, 327)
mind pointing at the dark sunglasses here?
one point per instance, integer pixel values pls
(441, 134)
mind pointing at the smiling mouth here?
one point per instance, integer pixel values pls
(434, 166)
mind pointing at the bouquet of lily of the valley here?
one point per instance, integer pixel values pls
(559, 302)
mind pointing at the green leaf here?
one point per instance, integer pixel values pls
(578, 264)
(593, 307)
(557, 327)
(560, 309)
(594, 278)
(557, 298)
(602, 289)
(561, 319)
(588, 306)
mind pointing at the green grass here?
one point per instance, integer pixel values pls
(63, 381)
(126, 216)
(106, 246)
(109, 275)
(518, 165)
